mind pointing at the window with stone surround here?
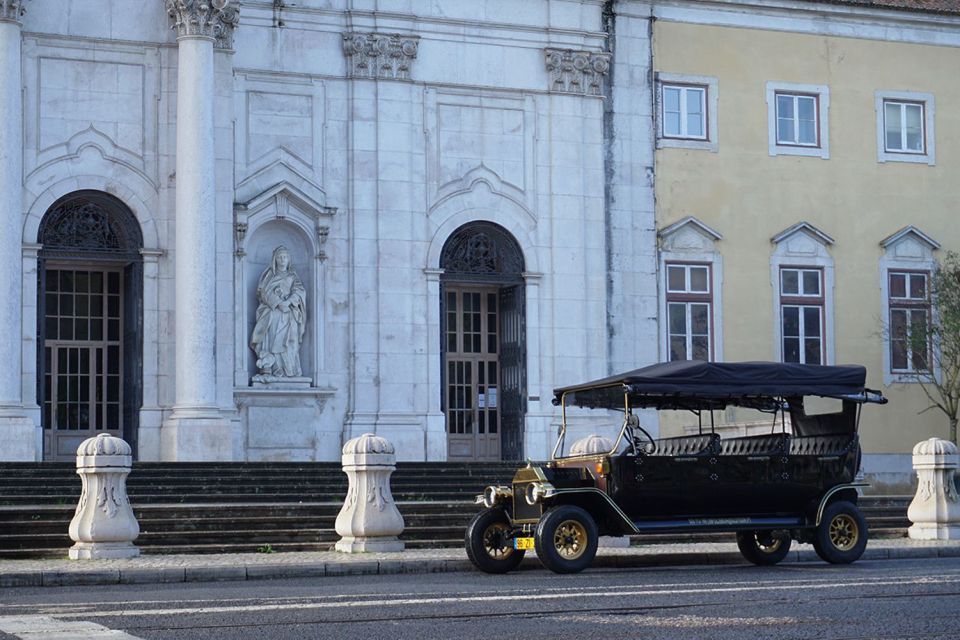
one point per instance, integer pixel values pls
(686, 111)
(797, 116)
(908, 302)
(905, 127)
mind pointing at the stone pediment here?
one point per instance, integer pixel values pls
(279, 177)
(802, 239)
(688, 234)
(909, 243)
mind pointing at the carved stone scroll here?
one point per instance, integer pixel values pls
(579, 72)
(379, 55)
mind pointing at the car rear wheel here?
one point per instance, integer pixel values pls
(842, 534)
(566, 539)
(763, 547)
(489, 542)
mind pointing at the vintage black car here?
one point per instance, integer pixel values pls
(768, 489)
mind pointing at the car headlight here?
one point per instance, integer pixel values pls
(492, 495)
(537, 491)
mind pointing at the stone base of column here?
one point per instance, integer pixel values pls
(18, 434)
(103, 550)
(351, 544)
(191, 438)
(934, 532)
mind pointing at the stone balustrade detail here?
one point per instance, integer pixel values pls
(369, 519)
(935, 510)
(104, 525)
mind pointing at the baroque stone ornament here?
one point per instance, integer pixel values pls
(209, 18)
(281, 320)
(935, 510)
(379, 55)
(579, 72)
(104, 525)
(11, 10)
(369, 519)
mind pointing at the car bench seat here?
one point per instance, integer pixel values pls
(686, 445)
(765, 445)
(828, 444)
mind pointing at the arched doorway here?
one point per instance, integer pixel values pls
(483, 346)
(89, 322)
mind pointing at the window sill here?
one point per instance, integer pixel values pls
(686, 143)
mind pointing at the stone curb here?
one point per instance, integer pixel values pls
(262, 571)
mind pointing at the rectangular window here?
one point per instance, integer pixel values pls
(684, 111)
(909, 317)
(689, 311)
(903, 127)
(797, 120)
(802, 315)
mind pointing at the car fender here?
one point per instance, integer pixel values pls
(836, 493)
(599, 505)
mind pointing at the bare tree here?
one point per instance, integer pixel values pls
(932, 343)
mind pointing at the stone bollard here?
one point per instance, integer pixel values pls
(935, 510)
(591, 445)
(369, 519)
(104, 525)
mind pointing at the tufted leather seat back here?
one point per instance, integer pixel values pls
(766, 445)
(831, 444)
(685, 445)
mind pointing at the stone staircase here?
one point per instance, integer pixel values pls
(268, 507)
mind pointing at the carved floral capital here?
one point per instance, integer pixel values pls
(379, 55)
(579, 72)
(11, 10)
(205, 18)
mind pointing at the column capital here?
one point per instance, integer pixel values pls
(11, 10)
(578, 72)
(214, 19)
(379, 55)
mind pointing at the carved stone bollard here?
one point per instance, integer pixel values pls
(591, 445)
(369, 519)
(935, 510)
(104, 525)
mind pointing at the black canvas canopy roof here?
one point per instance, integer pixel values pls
(693, 382)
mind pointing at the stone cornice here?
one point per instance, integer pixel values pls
(578, 72)
(11, 10)
(214, 19)
(379, 55)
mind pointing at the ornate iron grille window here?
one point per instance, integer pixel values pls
(482, 251)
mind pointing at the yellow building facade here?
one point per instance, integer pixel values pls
(807, 175)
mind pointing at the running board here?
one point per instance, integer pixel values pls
(718, 524)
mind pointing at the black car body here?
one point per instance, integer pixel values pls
(768, 489)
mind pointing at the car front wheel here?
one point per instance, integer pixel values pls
(763, 547)
(489, 542)
(566, 539)
(842, 534)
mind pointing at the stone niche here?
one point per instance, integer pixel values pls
(283, 417)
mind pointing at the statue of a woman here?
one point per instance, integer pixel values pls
(281, 319)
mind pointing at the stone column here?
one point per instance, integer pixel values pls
(16, 428)
(935, 510)
(369, 519)
(196, 430)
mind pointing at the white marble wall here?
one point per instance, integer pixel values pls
(388, 169)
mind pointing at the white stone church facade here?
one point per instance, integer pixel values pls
(463, 188)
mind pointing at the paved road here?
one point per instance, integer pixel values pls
(871, 599)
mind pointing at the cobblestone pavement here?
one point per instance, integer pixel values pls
(251, 566)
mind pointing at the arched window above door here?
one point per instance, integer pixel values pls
(482, 251)
(90, 223)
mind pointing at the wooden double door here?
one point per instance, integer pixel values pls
(484, 372)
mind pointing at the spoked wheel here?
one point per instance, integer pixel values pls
(566, 539)
(842, 534)
(763, 547)
(490, 544)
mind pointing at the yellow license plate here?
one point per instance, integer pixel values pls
(523, 543)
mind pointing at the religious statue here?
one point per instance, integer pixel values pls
(281, 319)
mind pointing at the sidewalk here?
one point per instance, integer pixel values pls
(154, 569)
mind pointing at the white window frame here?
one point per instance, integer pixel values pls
(908, 304)
(692, 242)
(929, 155)
(908, 250)
(822, 95)
(803, 246)
(802, 301)
(688, 298)
(710, 86)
